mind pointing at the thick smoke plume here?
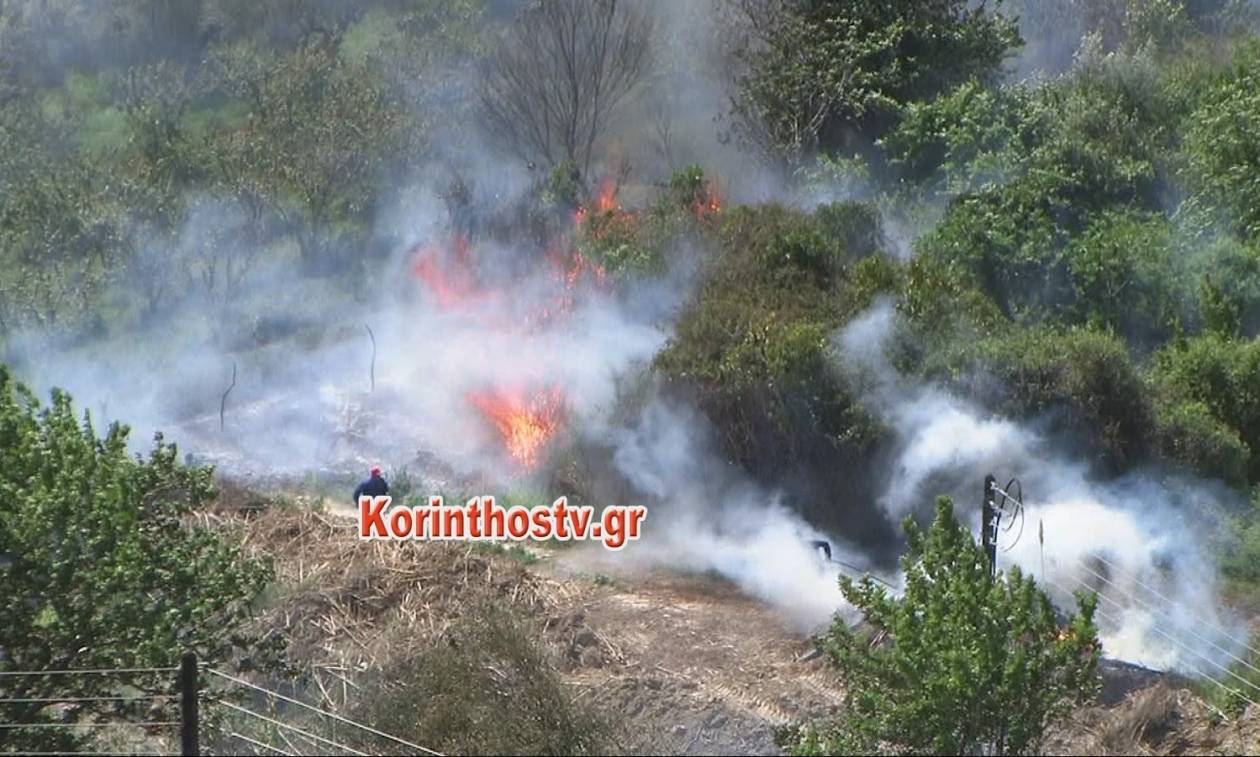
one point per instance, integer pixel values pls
(1139, 541)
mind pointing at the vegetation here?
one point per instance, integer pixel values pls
(486, 687)
(964, 662)
(1081, 248)
(100, 569)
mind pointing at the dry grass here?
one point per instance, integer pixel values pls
(1144, 721)
(347, 604)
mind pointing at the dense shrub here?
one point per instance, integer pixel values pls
(1224, 376)
(99, 569)
(1085, 379)
(1123, 277)
(1223, 147)
(754, 346)
(972, 663)
(1188, 433)
(817, 75)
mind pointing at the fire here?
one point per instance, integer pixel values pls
(607, 199)
(449, 278)
(526, 424)
(605, 202)
(710, 203)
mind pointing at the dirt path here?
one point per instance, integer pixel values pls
(693, 665)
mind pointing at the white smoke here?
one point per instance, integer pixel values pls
(1130, 539)
(707, 516)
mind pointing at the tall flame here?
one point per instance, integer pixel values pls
(526, 424)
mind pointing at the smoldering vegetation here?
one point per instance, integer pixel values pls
(681, 270)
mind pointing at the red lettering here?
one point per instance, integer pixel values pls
(371, 518)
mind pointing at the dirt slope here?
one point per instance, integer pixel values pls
(689, 663)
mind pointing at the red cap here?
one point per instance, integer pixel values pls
(376, 470)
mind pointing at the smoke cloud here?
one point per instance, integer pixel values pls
(1139, 540)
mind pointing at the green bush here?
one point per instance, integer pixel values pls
(1085, 376)
(972, 663)
(1224, 376)
(100, 569)
(815, 75)
(754, 345)
(973, 138)
(1123, 277)
(1222, 144)
(856, 228)
(1188, 433)
(1228, 275)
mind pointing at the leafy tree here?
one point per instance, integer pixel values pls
(820, 75)
(321, 133)
(1122, 277)
(1223, 147)
(969, 662)
(98, 566)
(1224, 375)
(973, 138)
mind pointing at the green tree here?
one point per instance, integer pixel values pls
(1223, 147)
(972, 663)
(99, 567)
(819, 75)
(320, 134)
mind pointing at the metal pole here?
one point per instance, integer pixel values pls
(990, 516)
(188, 705)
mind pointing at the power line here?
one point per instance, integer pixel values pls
(259, 744)
(85, 671)
(1180, 643)
(334, 716)
(51, 700)
(153, 724)
(1144, 606)
(1139, 582)
(295, 729)
(1103, 614)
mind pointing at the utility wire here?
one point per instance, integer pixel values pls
(295, 729)
(1139, 582)
(153, 724)
(1105, 616)
(85, 671)
(1162, 614)
(259, 744)
(334, 716)
(34, 700)
(1181, 644)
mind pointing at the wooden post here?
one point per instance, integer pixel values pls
(188, 705)
(990, 516)
(223, 400)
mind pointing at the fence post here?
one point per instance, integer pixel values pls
(188, 705)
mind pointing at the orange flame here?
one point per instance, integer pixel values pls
(607, 199)
(710, 203)
(449, 278)
(526, 425)
(605, 202)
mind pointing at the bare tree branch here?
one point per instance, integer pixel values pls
(549, 90)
